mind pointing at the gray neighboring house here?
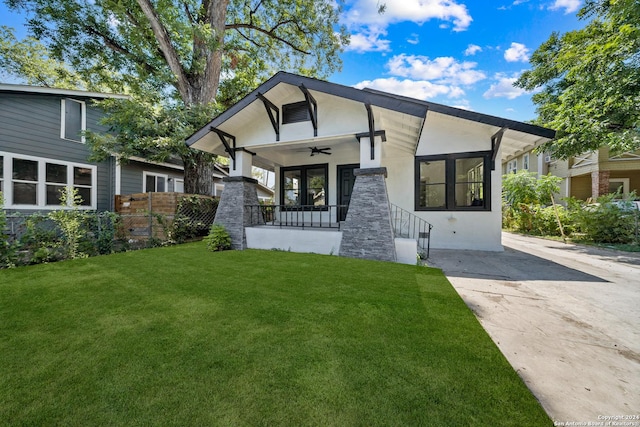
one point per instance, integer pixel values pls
(42, 150)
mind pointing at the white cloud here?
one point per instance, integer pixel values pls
(504, 88)
(415, 39)
(569, 6)
(369, 41)
(443, 70)
(472, 49)
(419, 89)
(517, 52)
(363, 19)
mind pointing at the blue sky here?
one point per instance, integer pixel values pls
(463, 53)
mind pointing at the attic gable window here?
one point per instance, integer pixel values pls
(295, 112)
(74, 120)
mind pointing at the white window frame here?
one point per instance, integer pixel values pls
(63, 121)
(512, 166)
(176, 182)
(145, 174)
(624, 182)
(525, 161)
(41, 189)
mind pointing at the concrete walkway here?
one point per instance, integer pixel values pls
(566, 317)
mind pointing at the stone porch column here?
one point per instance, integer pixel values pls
(367, 231)
(599, 183)
(234, 211)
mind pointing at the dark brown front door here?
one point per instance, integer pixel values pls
(346, 179)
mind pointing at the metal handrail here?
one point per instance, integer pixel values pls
(410, 226)
(302, 216)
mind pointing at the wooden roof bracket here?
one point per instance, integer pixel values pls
(312, 105)
(226, 139)
(372, 129)
(271, 108)
(496, 140)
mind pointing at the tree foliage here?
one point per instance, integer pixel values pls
(30, 60)
(181, 59)
(590, 80)
(525, 188)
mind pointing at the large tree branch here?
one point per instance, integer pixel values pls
(117, 47)
(269, 32)
(170, 54)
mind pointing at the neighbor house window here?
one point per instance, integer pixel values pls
(512, 166)
(25, 182)
(525, 161)
(82, 183)
(56, 177)
(74, 120)
(304, 185)
(34, 182)
(453, 182)
(154, 182)
(178, 185)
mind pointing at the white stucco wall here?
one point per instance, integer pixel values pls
(295, 240)
(475, 230)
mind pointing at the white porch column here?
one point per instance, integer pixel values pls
(243, 163)
(365, 152)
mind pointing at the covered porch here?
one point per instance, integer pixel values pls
(325, 144)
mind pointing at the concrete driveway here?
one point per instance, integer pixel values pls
(566, 317)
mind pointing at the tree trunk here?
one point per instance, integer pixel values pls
(202, 89)
(198, 173)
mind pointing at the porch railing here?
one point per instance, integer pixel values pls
(302, 216)
(408, 225)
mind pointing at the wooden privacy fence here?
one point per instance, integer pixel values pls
(164, 216)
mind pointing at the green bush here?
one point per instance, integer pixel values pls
(526, 198)
(218, 238)
(607, 220)
(545, 222)
(71, 223)
(8, 249)
(194, 216)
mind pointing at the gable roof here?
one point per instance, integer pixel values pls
(516, 135)
(5, 87)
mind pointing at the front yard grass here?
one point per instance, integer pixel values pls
(181, 336)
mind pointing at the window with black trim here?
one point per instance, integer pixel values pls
(460, 181)
(304, 185)
(295, 112)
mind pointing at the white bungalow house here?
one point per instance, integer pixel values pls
(362, 173)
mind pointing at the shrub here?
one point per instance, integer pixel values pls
(8, 249)
(194, 216)
(71, 224)
(606, 221)
(218, 238)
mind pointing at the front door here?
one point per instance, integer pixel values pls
(346, 179)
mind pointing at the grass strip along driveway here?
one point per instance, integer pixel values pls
(182, 336)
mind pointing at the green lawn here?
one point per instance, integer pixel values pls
(181, 336)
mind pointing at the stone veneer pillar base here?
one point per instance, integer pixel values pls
(233, 212)
(367, 231)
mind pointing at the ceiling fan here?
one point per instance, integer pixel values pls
(316, 150)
